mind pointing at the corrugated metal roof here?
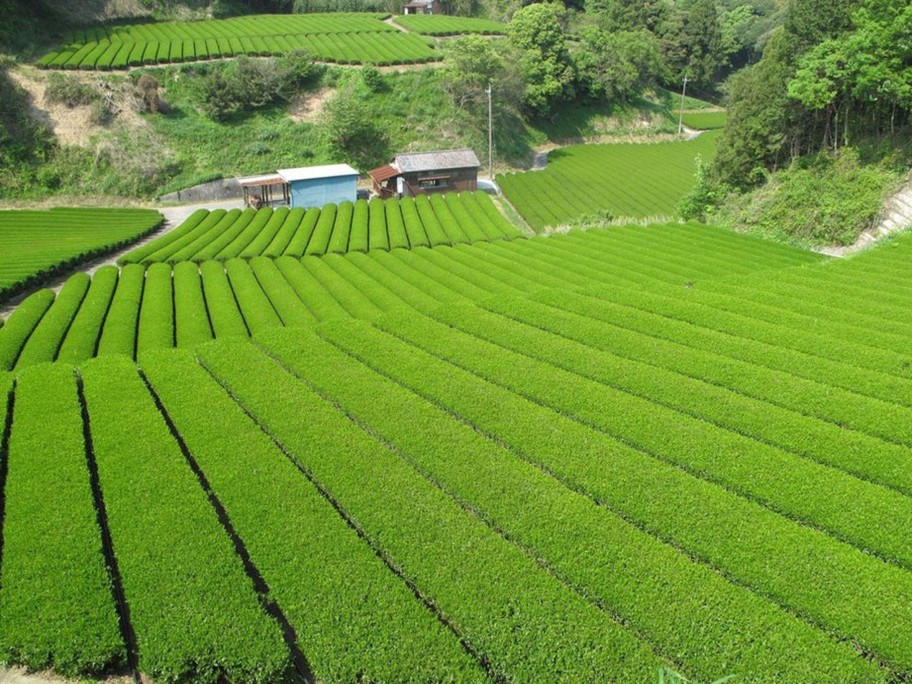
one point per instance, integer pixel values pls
(314, 172)
(434, 161)
(270, 179)
(383, 173)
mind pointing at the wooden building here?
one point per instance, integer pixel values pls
(314, 186)
(422, 173)
(423, 7)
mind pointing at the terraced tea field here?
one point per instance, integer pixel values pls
(344, 38)
(704, 121)
(36, 244)
(442, 25)
(136, 310)
(447, 219)
(630, 180)
(583, 457)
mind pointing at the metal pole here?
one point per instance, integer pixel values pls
(490, 134)
(681, 114)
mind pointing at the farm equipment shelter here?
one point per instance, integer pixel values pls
(315, 186)
(264, 187)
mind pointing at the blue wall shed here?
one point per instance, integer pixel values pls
(315, 186)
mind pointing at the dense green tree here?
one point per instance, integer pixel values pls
(616, 66)
(247, 83)
(759, 118)
(865, 73)
(836, 69)
(630, 15)
(702, 39)
(809, 22)
(352, 132)
(472, 64)
(537, 33)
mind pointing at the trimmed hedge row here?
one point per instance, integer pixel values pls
(359, 226)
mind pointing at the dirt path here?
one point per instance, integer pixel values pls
(392, 22)
(20, 676)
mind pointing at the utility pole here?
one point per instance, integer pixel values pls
(681, 114)
(488, 90)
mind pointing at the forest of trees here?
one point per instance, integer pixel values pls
(798, 77)
(837, 73)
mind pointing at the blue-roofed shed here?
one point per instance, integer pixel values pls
(314, 186)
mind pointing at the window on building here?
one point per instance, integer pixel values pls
(433, 183)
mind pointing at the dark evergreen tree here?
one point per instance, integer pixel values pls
(702, 40)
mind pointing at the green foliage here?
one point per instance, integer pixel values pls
(353, 132)
(372, 78)
(868, 66)
(824, 200)
(536, 31)
(24, 142)
(472, 65)
(703, 40)
(837, 73)
(246, 84)
(812, 21)
(759, 117)
(617, 66)
(705, 197)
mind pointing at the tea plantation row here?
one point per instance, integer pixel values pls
(587, 456)
(135, 310)
(345, 38)
(628, 180)
(335, 229)
(37, 244)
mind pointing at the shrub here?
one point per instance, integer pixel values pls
(147, 89)
(70, 91)
(250, 83)
(372, 78)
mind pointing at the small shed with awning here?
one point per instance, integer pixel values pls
(262, 190)
(315, 186)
